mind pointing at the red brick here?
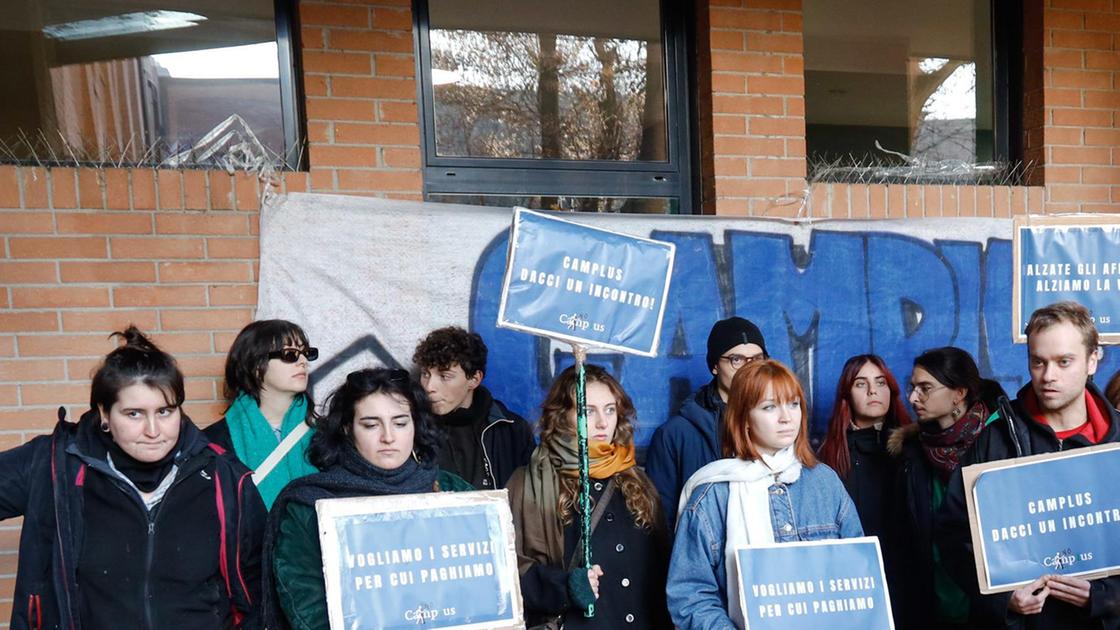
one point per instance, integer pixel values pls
(745, 19)
(28, 272)
(1100, 137)
(91, 189)
(221, 190)
(1101, 99)
(201, 223)
(143, 189)
(395, 65)
(203, 365)
(1065, 59)
(762, 167)
(205, 319)
(1063, 97)
(247, 189)
(1083, 79)
(313, 38)
(1104, 175)
(200, 388)
(108, 321)
(64, 188)
(331, 62)
(232, 248)
(407, 135)
(1080, 155)
(985, 205)
(327, 155)
(1102, 60)
(335, 109)
(54, 393)
(748, 145)
(117, 193)
(156, 248)
(1067, 135)
(55, 297)
(294, 182)
(24, 370)
(746, 62)
(1001, 201)
(195, 195)
(729, 125)
(233, 295)
(1063, 174)
(9, 187)
(205, 272)
(1081, 40)
(729, 104)
(777, 126)
(108, 272)
(392, 19)
(751, 187)
(184, 342)
(1018, 200)
(1077, 193)
(28, 321)
(375, 41)
(58, 247)
(315, 85)
(333, 15)
(776, 85)
(27, 222)
(400, 157)
(170, 184)
(726, 40)
(792, 23)
(55, 345)
(1065, 20)
(35, 188)
(379, 180)
(775, 43)
(1081, 5)
(159, 296)
(104, 223)
(365, 87)
(395, 111)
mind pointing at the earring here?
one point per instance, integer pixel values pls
(956, 413)
(414, 457)
(105, 427)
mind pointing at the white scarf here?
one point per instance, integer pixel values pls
(748, 507)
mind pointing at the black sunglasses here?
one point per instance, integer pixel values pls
(291, 355)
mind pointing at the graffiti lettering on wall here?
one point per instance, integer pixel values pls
(819, 294)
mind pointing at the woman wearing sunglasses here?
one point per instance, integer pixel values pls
(270, 414)
(951, 403)
(378, 438)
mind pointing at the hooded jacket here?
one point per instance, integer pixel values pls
(1012, 432)
(684, 444)
(47, 481)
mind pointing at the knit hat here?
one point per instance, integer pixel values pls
(730, 332)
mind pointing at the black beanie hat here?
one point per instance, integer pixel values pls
(730, 332)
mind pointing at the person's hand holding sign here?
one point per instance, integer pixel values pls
(1069, 589)
(1029, 599)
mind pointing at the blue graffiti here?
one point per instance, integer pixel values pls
(846, 293)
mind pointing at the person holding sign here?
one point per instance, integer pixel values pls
(377, 439)
(1060, 409)
(951, 403)
(132, 519)
(628, 543)
(687, 442)
(772, 489)
(868, 409)
(267, 424)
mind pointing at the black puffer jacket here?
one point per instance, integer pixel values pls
(196, 564)
(1014, 433)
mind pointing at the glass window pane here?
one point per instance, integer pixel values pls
(579, 80)
(141, 82)
(914, 77)
(630, 205)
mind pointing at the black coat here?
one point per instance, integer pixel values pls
(870, 480)
(635, 565)
(507, 444)
(198, 570)
(998, 441)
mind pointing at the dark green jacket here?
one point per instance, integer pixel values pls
(298, 561)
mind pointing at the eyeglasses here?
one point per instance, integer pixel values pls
(739, 360)
(291, 355)
(923, 390)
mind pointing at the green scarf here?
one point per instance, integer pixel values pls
(254, 440)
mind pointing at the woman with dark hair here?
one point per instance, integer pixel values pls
(267, 424)
(628, 543)
(771, 489)
(951, 403)
(378, 438)
(867, 410)
(131, 518)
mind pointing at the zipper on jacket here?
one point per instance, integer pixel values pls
(486, 456)
(148, 570)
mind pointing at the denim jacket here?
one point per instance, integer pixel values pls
(815, 507)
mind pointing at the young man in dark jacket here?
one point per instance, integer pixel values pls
(689, 441)
(485, 441)
(1059, 410)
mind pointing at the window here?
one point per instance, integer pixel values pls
(918, 79)
(160, 82)
(570, 106)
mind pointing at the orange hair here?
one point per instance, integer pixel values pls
(748, 389)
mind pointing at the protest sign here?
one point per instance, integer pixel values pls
(808, 585)
(1067, 258)
(585, 285)
(441, 560)
(1044, 514)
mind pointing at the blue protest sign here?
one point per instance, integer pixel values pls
(585, 285)
(810, 585)
(1045, 514)
(441, 560)
(1068, 258)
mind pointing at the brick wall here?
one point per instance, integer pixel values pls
(87, 251)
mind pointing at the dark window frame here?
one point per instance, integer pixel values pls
(446, 175)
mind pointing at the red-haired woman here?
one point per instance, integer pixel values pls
(628, 544)
(868, 409)
(772, 489)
